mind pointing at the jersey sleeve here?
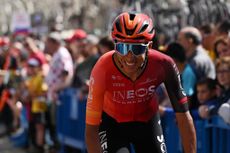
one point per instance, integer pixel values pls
(96, 93)
(174, 88)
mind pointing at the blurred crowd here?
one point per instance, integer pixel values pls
(35, 69)
(202, 55)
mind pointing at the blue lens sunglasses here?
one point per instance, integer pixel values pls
(136, 49)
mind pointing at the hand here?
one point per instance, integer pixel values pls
(54, 96)
(87, 83)
(92, 139)
(55, 88)
(161, 110)
(203, 111)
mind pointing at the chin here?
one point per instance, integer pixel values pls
(130, 70)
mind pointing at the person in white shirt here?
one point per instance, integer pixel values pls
(59, 76)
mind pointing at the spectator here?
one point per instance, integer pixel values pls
(37, 91)
(83, 70)
(11, 60)
(105, 44)
(221, 47)
(223, 78)
(59, 76)
(188, 77)
(61, 65)
(224, 111)
(202, 65)
(222, 29)
(190, 38)
(34, 52)
(207, 38)
(77, 46)
(206, 94)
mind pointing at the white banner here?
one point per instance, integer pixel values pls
(20, 21)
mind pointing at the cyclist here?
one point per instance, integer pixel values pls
(121, 106)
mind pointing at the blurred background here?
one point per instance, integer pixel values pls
(95, 16)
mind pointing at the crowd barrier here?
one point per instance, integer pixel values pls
(20, 137)
(213, 135)
(71, 120)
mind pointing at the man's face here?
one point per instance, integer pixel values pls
(78, 48)
(183, 40)
(131, 56)
(50, 47)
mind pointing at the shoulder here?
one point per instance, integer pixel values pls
(62, 51)
(106, 58)
(158, 57)
(202, 56)
(108, 54)
(90, 60)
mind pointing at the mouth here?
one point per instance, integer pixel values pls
(129, 63)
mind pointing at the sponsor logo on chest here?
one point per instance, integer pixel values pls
(126, 92)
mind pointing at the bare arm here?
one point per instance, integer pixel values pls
(66, 79)
(94, 108)
(187, 131)
(92, 139)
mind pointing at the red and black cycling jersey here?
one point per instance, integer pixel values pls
(126, 100)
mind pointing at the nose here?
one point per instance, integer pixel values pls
(130, 54)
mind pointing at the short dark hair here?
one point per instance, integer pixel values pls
(106, 41)
(206, 28)
(176, 51)
(224, 26)
(210, 83)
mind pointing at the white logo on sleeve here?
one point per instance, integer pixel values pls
(162, 143)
